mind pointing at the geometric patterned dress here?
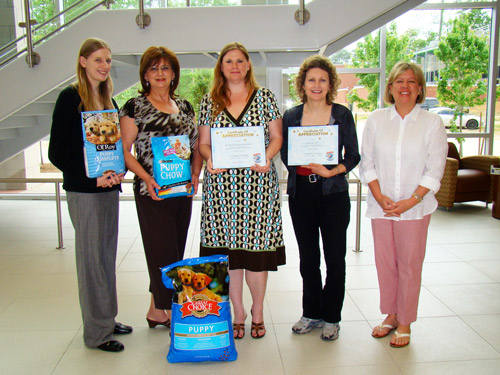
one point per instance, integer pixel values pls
(241, 213)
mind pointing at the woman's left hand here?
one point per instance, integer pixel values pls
(195, 180)
(400, 207)
(321, 170)
(260, 168)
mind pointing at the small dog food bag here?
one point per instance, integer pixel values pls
(102, 144)
(171, 166)
(201, 328)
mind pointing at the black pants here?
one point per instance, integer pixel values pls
(164, 227)
(312, 213)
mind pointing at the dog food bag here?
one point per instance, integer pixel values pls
(201, 328)
(171, 166)
(102, 144)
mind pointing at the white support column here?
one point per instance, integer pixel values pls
(382, 61)
(493, 76)
(274, 82)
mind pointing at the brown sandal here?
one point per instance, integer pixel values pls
(238, 327)
(256, 327)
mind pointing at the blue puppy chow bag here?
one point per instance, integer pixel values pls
(201, 328)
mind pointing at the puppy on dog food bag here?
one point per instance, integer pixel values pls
(201, 327)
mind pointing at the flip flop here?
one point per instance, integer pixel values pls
(256, 327)
(239, 327)
(398, 335)
(383, 326)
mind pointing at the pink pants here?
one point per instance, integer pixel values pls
(399, 256)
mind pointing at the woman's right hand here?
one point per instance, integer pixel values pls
(151, 185)
(109, 179)
(211, 169)
(385, 202)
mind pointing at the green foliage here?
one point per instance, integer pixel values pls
(366, 55)
(341, 57)
(131, 92)
(464, 53)
(292, 92)
(194, 84)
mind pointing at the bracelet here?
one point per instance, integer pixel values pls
(417, 197)
(338, 169)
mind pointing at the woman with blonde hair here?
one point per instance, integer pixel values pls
(402, 161)
(241, 214)
(92, 202)
(318, 198)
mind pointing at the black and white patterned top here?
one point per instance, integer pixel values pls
(241, 212)
(153, 123)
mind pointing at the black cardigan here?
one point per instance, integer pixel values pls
(66, 144)
(348, 147)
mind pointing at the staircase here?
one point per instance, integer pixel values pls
(269, 32)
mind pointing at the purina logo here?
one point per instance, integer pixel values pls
(200, 306)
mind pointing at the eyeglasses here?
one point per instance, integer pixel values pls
(155, 69)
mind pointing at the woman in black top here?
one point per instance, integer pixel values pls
(92, 202)
(319, 198)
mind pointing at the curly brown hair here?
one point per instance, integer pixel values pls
(317, 61)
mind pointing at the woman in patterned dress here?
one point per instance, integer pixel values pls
(241, 214)
(164, 222)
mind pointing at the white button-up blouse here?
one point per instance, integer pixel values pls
(403, 154)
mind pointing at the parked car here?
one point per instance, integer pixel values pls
(429, 103)
(447, 115)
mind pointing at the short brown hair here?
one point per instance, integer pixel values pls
(398, 69)
(317, 61)
(152, 56)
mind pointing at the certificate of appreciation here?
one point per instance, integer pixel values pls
(313, 144)
(238, 147)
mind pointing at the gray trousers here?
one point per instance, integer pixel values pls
(95, 219)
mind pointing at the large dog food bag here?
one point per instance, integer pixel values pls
(201, 328)
(102, 143)
(171, 166)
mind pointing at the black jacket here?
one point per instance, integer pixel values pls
(348, 147)
(66, 144)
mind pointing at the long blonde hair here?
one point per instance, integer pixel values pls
(88, 47)
(219, 91)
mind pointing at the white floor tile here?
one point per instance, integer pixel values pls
(457, 330)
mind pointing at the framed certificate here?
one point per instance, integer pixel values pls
(238, 147)
(313, 144)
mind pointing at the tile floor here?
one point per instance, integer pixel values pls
(457, 331)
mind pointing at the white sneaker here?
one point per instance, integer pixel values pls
(306, 325)
(330, 331)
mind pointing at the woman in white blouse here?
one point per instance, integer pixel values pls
(402, 161)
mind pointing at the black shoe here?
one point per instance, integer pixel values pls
(112, 346)
(122, 329)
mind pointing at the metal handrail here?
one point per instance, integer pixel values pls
(34, 29)
(58, 181)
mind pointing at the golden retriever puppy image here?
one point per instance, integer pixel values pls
(108, 132)
(93, 127)
(186, 277)
(200, 282)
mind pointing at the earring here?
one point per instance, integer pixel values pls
(147, 83)
(171, 83)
